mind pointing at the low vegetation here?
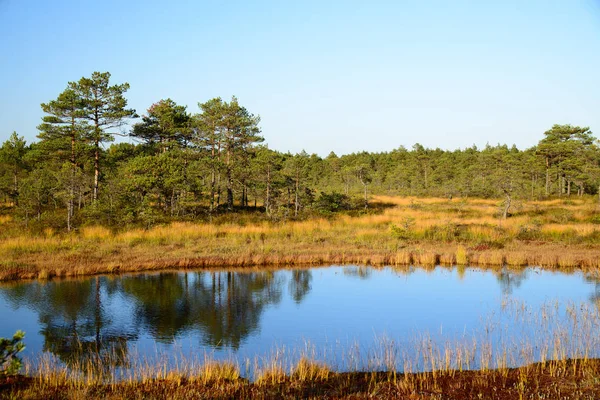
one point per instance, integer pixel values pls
(561, 233)
(567, 379)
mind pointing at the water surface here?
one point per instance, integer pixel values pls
(332, 310)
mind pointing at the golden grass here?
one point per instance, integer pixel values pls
(426, 258)
(462, 258)
(488, 258)
(570, 379)
(95, 233)
(517, 258)
(447, 259)
(310, 370)
(457, 231)
(213, 371)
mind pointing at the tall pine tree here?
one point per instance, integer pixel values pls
(104, 108)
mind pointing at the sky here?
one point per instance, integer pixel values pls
(342, 76)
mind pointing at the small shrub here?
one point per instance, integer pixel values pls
(332, 202)
(529, 231)
(10, 363)
(560, 216)
(447, 232)
(403, 229)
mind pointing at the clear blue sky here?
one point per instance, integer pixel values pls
(323, 75)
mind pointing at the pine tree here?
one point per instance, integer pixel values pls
(104, 108)
(64, 136)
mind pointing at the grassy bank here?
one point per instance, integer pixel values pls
(552, 234)
(568, 379)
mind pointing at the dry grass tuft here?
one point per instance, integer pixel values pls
(310, 370)
(462, 257)
(517, 258)
(213, 371)
(426, 258)
(447, 259)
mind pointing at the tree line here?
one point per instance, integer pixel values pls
(186, 166)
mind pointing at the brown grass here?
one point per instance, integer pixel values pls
(456, 231)
(564, 379)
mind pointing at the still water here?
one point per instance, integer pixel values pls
(332, 310)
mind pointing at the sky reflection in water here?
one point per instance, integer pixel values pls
(248, 314)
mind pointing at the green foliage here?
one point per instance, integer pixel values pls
(403, 230)
(10, 363)
(595, 219)
(530, 231)
(199, 166)
(166, 126)
(12, 165)
(332, 202)
(560, 216)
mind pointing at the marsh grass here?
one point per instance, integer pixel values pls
(555, 233)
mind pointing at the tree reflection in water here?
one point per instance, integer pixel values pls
(96, 318)
(299, 285)
(224, 306)
(510, 280)
(73, 319)
(359, 272)
(595, 296)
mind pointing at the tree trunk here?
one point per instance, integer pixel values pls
(98, 134)
(268, 197)
(289, 201)
(218, 190)
(506, 205)
(69, 210)
(561, 184)
(96, 170)
(296, 203)
(16, 187)
(532, 186)
(229, 190)
(212, 179)
(172, 202)
(547, 176)
(243, 196)
(97, 314)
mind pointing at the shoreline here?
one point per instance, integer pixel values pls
(545, 256)
(567, 379)
(405, 231)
